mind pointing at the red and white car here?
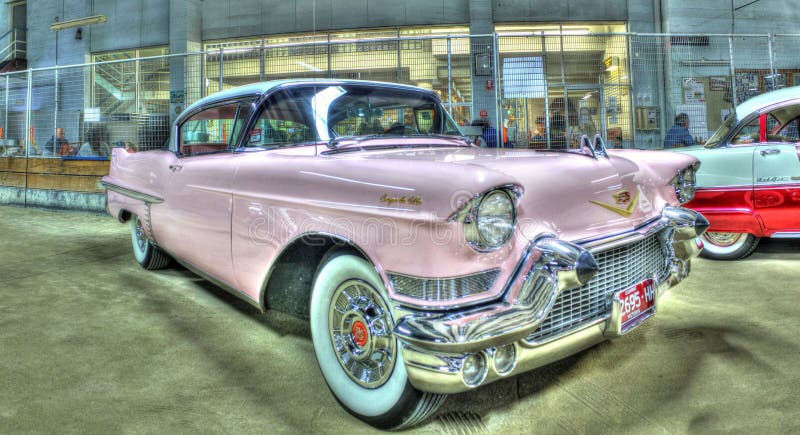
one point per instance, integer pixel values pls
(426, 265)
(748, 185)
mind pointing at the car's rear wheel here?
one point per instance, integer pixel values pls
(357, 352)
(728, 246)
(147, 255)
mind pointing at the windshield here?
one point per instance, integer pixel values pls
(313, 113)
(722, 132)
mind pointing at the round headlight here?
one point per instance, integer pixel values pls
(685, 185)
(495, 220)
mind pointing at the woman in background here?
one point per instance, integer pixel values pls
(95, 145)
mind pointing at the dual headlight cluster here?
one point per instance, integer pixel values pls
(489, 219)
(684, 183)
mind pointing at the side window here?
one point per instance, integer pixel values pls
(213, 129)
(282, 122)
(791, 131)
(749, 133)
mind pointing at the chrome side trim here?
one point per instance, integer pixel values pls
(132, 193)
(786, 235)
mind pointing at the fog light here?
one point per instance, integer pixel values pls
(505, 359)
(474, 369)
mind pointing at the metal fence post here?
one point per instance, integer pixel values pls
(56, 102)
(28, 96)
(564, 81)
(221, 70)
(497, 103)
(772, 62)
(330, 70)
(449, 76)
(733, 74)
(546, 94)
(261, 63)
(5, 113)
(137, 89)
(631, 87)
(399, 59)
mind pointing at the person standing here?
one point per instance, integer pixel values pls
(678, 135)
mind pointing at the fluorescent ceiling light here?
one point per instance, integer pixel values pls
(78, 22)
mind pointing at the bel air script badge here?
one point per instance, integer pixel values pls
(623, 198)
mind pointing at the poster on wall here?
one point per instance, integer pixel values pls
(693, 91)
(717, 83)
(747, 86)
(774, 81)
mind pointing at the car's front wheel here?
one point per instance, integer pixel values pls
(147, 255)
(357, 352)
(728, 246)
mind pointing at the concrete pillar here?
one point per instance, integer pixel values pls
(185, 36)
(482, 51)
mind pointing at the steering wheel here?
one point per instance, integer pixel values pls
(401, 130)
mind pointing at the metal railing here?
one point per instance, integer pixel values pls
(14, 45)
(538, 90)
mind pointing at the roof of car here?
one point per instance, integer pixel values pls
(263, 87)
(767, 99)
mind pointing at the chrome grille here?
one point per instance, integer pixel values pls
(619, 268)
(443, 289)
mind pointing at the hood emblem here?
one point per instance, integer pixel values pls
(623, 197)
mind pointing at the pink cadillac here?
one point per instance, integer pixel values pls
(426, 265)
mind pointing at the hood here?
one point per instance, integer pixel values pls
(566, 193)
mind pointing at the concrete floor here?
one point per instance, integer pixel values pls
(91, 343)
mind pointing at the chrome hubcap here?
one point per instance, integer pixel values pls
(723, 239)
(141, 238)
(361, 333)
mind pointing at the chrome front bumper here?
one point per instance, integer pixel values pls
(436, 347)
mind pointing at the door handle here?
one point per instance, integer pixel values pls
(770, 151)
(175, 168)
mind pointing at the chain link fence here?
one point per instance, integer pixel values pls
(526, 90)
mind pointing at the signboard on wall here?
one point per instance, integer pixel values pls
(91, 114)
(523, 77)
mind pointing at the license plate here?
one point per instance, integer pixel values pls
(637, 304)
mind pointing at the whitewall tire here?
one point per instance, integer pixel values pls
(728, 246)
(147, 255)
(357, 352)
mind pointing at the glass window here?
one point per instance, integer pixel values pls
(213, 129)
(747, 134)
(313, 113)
(790, 132)
(284, 120)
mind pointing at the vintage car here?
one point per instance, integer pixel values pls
(425, 265)
(748, 185)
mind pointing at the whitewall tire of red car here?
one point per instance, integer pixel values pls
(357, 352)
(148, 256)
(728, 246)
